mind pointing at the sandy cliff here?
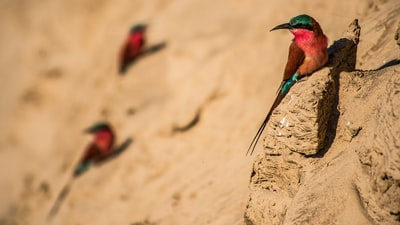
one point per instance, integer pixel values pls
(354, 178)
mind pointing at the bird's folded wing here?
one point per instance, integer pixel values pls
(295, 59)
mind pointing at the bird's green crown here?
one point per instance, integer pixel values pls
(138, 27)
(302, 21)
(98, 126)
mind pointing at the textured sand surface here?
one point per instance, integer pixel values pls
(355, 178)
(191, 109)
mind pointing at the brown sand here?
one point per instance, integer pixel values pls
(221, 65)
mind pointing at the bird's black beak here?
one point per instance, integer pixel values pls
(282, 26)
(89, 130)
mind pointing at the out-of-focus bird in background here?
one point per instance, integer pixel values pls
(132, 47)
(100, 149)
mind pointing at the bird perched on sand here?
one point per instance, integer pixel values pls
(307, 53)
(132, 47)
(99, 149)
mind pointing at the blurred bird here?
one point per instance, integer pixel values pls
(99, 149)
(307, 53)
(132, 47)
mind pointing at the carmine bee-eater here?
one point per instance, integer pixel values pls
(307, 53)
(132, 47)
(99, 149)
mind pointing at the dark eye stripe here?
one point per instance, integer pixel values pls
(303, 26)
